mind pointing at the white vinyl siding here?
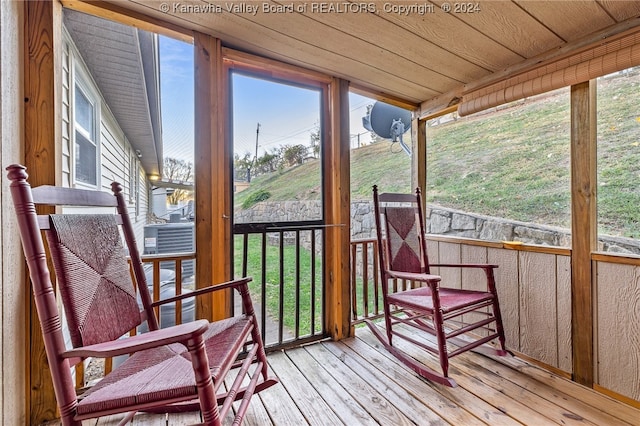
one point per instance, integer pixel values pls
(114, 147)
(117, 159)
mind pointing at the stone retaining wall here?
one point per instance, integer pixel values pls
(440, 220)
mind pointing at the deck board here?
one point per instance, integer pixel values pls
(503, 402)
(280, 405)
(357, 382)
(413, 408)
(303, 393)
(569, 402)
(345, 407)
(363, 392)
(597, 401)
(552, 411)
(459, 410)
(256, 412)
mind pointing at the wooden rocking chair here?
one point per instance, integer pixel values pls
(174, 369)
(450, 314)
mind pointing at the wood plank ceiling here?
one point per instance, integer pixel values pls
(402, 53)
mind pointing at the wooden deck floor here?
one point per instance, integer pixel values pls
(356, 382)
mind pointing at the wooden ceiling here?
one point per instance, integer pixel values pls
(424, 56)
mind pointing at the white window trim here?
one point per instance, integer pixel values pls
(134, 182)
(80, 78)
(133, 167)
(138, 182)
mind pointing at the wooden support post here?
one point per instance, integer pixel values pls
(337, 206)
(42, 133)
(212, 178)
(583, 227)
(419, 157)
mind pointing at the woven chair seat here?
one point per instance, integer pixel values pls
(223, 342)
(163, 374)
(450, 300)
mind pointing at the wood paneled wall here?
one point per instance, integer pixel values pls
(534, 286)
(617, 328)
(534, 290)
(13, 407)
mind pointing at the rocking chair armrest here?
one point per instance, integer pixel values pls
(176, 334)
(430, 278)
(464, 265)
(228, 284)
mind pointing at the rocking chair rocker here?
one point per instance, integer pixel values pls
(450, 314)
(175, 369)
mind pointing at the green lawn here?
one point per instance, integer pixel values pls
(288, 278)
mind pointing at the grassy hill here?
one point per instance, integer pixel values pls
(372, 164)
(511, 162)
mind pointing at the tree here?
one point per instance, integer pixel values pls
(374, 136)
(243, 166)
(315, 142)
(294, 154)
(268, 163)
(179, 171)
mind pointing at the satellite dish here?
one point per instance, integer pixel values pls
(388, 122)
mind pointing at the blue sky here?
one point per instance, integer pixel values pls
(176, 94)
(287, 114)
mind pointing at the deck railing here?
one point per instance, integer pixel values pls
(174, 285)
(366, 293)
(365, 277)
(285, 261)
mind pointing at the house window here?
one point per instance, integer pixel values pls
(85, 147)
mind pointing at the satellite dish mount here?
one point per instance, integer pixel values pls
(389, 122)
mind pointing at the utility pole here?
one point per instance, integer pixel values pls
(255, 157)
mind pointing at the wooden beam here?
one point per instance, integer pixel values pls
(337, 202)
(440, 105)
(120, 13)
(437, 111)
(42, 154)
(383, 97)
(583, 227)
(212, 178)
(272, 68)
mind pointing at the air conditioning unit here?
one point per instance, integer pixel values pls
(164, 238)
